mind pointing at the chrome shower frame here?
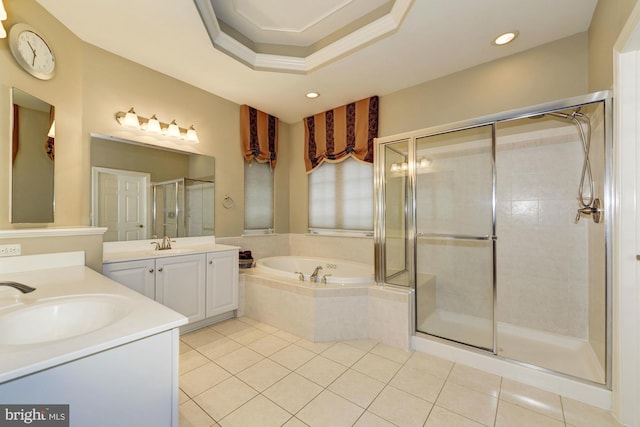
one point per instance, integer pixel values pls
(411, 231)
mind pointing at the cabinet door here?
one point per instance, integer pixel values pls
(222, 282)
(136, 275)
(180, 284)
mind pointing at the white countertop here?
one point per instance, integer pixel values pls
(144, 318)
(143, 249)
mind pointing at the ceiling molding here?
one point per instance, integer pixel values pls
(361, 37)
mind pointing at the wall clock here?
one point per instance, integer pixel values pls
(32, 52)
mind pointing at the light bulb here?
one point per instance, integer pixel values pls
(153, 125)
(173, 129)
(130, 120)
(3, 13)
(3, 33)
(192, 135)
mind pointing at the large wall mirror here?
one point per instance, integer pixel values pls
(32, 159)
(139, 191)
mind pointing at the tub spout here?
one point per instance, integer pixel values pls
(300, 276)
(314, 275)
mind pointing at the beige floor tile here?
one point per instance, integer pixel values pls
(248, 335)
(294, 422)
(475, 379)
(184, 347)
(263, 374)
(239, 360)
(200, 337)
(400, 407)
(535, 399)
(440, 417)
(321, 370)
(292, 357)
(268, 345)
(258, 412)
(344, 354)
(583, 415)
(224, 398)
(229, 327)
(329, 409)
(377, 367)
(392, 353)
(418, 382)
(191, 415)
(433, 365)
(316, 347)
(359, 388)
(267, 328)
(219, 348)
(472, 404)
(371, 420)
(510, 415)
(200, 379)
(293, 392)
(364, 345)
(190, 361)
(182, 397)
(287, 336)
(247, 320)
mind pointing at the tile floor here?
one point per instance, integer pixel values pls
(244, 373)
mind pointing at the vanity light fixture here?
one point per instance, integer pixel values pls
(3, 17)
(505, 38)
(154, 126)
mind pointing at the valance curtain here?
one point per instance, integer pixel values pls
(258, 136)
(345, 131)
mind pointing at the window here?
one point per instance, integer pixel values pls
(258, 198)
(341, 196)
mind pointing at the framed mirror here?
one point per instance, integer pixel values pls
(140, 191)
(32, 159)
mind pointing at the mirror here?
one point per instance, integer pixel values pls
(139, 191)
(32, 159)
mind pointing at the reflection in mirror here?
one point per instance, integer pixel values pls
(32, 159)
(141, 191)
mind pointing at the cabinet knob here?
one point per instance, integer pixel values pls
(210, 262)
(160, 269)
(151, 270)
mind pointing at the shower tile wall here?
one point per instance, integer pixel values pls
(542, 255)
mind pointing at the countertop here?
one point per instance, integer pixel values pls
(144, 318)
(142, 249)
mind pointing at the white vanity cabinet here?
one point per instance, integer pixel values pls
(222, 282)
(138, 275)
(199, 285)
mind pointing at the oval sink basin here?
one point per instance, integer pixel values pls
(60, 318)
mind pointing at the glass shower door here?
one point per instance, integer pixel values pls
(455, 236)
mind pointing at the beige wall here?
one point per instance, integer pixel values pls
(606, 24)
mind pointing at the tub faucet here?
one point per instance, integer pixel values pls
(314, 275)
(19, 286)
(300, 276)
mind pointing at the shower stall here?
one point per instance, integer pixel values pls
(502, 226)
(183, 208)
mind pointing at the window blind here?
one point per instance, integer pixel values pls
(258, 197)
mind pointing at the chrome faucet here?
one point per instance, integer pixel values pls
(19, 286)
(314, 275)
(166, 243)
(300, 275)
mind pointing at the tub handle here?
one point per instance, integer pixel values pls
(300, 276)
(324, 278)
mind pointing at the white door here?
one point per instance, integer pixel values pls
(120, 203)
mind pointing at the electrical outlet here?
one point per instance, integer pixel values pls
(10, 250)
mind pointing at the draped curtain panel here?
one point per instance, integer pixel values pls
(258, 136)
(342, 132)
(49, 145)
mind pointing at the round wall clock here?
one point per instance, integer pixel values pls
(32, 52)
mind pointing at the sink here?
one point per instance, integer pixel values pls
(56, 319)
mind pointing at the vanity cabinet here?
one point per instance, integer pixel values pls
(222, 282)
(197, 285)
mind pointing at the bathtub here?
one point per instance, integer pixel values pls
(336, 271)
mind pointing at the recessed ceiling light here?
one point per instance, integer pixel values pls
(505, 38)
(312, 95)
